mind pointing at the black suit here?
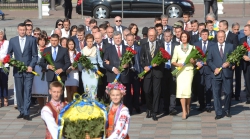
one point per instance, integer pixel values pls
(123, 27)
(114, 61)
(143, 41)
(246, 71)
(62, 61)
(230, 38)
(175, 39)
(168, 83)
(152, 79)
(193, 37)
(212, 3)
(223, 79)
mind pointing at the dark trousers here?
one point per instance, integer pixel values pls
(127, 99)
(80, 87)
(68, 11)
(204, 90)
(23, 93)
(238, 80)
(247, 81)
(135, 82)
(152, 88)
(62, 96)
(213, 4)
(168, 85)
(143, 99)
(218, 85)
(3, 83)
(101, 94)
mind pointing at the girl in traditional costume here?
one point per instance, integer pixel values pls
(118, 115)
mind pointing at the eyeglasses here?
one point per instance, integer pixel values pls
(59, 24)
(36, 33)
(118, 21)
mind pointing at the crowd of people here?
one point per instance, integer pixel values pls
(105, 45)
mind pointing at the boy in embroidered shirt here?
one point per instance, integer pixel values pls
(51, 110)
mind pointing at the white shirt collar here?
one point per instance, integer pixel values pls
(22, 37)
(223, 46)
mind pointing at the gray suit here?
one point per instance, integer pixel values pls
(212, 3)
(23, 80)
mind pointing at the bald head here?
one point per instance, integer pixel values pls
(98, 37)
(248, 22)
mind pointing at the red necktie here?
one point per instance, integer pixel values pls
(186, 26)
(81, 43)
(118, 52)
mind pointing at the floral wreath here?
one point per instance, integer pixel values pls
(117, 86)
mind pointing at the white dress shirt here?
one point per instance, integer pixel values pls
(226, 34)
(223, 46)
(120, 48)
(53, 49)
(22, 43)
(99, 46)
(4, 51)
(47, 116)
(194, 33)
(111, 42)
(65, 33)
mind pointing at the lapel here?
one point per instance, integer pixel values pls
(26, 44)
(217, 50)
(225, 52)
(58, 52)
(157, 45)
(114, 53)
(172, 48)
(148, 49)
(19, 46)
(123, 49)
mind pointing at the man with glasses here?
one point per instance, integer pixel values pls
(87, 19)
(36, 32)
(118, 24)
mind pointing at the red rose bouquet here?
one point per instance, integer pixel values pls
(101, 53)
(5, 61)
(161, 57)
(19, 64)
(47, 56)
(76, 60)
(196, 53)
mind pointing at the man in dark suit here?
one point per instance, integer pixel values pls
(223, 74)
(159, 29)
(164, 22)
(113, 55)
(246, 62)
(25, 50)
(86, 27)
(60, 59)
(168, 81)
(79, 39)
(118, 24)
(110, 32)
(213, 4)
(178, 30)
(152, 79)
(210, 28)
(194, 33)
(134, 71)
(203, 76)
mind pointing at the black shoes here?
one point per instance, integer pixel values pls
(149, 115)
(154, 117)
(138, 110)
(208, 109)
(173, 112)
(217, 117)
(228, 114)
(201, 108)
(27, 117)
(237, 98)
(19, 116)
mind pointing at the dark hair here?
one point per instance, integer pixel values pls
(202, 24)
(168, 31)
(130, 35)
(43, 32)
(186, 13)
(57, 21)
(179, 27)
(103, 26)
(204, 30)
(92, 21)
(131, 26)
(188, 37)
(27, 20)
(96, 27)
(55, 84)
(66, 20)
(37, 29)
(62, 39)
(194, 21)
(224, 22)
(42, 37)
(81, 30)
(159, 25)
(71, 30)
(81, 26)
(105, 22)
(89, 36)
(21, 25)
(55, 36)
(67, 44)
(157, 19)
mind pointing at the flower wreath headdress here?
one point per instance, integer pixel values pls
(117, 86)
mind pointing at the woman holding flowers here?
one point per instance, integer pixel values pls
(40, 85)
(4, 44)
(185, 77)
(89, 77)
(118, 115)
(72, 81)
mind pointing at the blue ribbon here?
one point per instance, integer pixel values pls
(117, 77)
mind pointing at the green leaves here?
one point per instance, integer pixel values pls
(237, 55)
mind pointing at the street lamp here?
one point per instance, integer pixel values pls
(122, 9)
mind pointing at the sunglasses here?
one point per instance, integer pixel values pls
(36, 33)
(59, 24)
(118, 21)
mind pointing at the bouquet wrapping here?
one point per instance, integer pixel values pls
(83, 118)
(161, 57)
(19, 64)
(47, 56)
(196, 53)
(87, 65)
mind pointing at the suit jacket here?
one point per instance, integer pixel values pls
(114, 61)
(214, 60)
(143, 41)
(62, 61)
(29, 55)
(123, 27)
(78, 47)
(105, 45)
(146, 58)
(245, 63)
(193, 38)
(135, 43)
(174, 39)
(231, 38)
(173, 44)
(136, 59)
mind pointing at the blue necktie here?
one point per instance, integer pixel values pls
(199, 38)
(204, 47)
(168, 64)
(248, 42)
(54, 54)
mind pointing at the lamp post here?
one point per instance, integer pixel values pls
(162, 7)
(122, 9)
(52, 5)
(40, 9)
(82, 9)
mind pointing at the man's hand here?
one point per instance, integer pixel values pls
(225, 65)
(146, 68)
(192, 61)
(71, 67)
(199, 65)
(246, 58)
(29, 69)
(59, 71)
(216, 71)
(205, 63)
(116, 71)
(125, 66)
(51, 67)
(154, 65)
(233, 67)
(68, 71)
(107, 62)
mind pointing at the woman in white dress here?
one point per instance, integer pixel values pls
(72, 81)
(40, 85)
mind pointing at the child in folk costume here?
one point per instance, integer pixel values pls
(51, 110)
(118, 116)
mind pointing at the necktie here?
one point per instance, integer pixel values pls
(54, 54)
(152, 51)
(204, 47)
(118, 28)
(186, 26)
(118, 51)
(221, 51)
(110, 39)
(22, 45)
(99, 46)
(248, 42)
(81, 44)
(168, 65)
